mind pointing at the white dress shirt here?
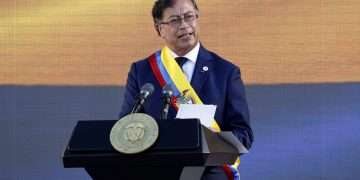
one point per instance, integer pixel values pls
(189, 65)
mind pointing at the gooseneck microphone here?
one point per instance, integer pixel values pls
(167, 93)
(145, 91)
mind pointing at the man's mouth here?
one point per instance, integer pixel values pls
(185, 35)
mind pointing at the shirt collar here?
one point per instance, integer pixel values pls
(191, 55)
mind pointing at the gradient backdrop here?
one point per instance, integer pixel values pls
(64, 61)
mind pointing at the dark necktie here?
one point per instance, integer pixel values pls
(181, 61)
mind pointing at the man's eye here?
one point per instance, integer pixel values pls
(189, 17)
(174, 21)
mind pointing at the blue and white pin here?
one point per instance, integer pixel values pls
(205, 68)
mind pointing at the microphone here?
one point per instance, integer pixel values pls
(167, 93)
(145, 91)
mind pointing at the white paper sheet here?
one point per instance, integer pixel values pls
(203, 112)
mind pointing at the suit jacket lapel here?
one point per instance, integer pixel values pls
(202, 69)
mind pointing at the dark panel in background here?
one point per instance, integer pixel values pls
(301, 131)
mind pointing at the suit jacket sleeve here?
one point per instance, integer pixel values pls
(131, 91)
(237, 112)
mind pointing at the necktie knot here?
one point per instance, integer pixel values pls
(181, 61)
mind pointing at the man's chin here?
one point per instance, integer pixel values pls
(187, 45)
(185, 49)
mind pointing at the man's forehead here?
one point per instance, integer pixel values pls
(180, 13)
(171, 11)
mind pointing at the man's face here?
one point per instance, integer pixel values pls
(179, 27)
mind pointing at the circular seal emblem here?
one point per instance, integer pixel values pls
(134, 133)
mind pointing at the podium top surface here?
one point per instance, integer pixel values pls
(93, 136)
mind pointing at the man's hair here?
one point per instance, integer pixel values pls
(161, 5)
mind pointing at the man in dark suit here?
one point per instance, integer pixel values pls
(215, 80)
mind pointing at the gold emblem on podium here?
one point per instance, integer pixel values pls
(134, 133)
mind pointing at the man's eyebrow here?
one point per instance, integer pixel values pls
(176, 15)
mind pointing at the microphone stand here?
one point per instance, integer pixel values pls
(138, 104)
(166, 104)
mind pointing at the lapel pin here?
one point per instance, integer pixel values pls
(205, 68)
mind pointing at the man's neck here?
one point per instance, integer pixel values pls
(191, 55)
(183, 52)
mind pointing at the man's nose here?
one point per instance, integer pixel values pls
(183, 23)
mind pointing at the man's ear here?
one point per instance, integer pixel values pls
(157, 28)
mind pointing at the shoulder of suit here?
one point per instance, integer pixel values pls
(220, 61)
(142, 62)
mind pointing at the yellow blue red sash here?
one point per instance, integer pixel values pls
(168, 72)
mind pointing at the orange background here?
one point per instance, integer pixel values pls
(93, 42)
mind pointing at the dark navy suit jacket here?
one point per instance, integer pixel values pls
(220, 85)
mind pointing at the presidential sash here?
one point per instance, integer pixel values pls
(168, 72)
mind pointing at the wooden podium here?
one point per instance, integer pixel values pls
(182, 151)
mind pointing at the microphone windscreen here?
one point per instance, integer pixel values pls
(167, 90)
(147, 89)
